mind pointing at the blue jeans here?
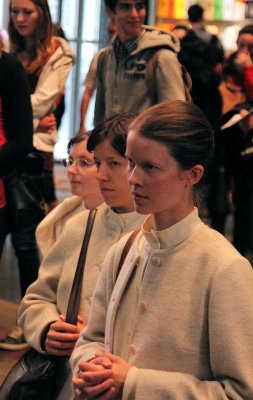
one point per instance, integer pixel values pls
(27, 253)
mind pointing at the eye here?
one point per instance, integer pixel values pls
(149, 167)
(27, 12)
(140, 6)
(114, 163)
(97, 163)
(83, 163)
(131, 164)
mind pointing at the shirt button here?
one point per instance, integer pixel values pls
(156, 262)
(132, 349)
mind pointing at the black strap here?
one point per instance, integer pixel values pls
(75, 294)
(126, 249)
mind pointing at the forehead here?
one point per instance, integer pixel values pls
(22, 4)
(245, 38)
(118, 2)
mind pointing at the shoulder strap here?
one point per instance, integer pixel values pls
(126, 249)
(75, 294)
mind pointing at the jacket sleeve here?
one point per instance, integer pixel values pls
(230, 316)
(168, 76)
(51, 84)
(38, 307)
(17, 113)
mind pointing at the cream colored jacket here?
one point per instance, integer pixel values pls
(51, 227)
(48, 297)
(50, 86)
(190, 335)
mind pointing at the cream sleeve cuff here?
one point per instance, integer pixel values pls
(130, 384)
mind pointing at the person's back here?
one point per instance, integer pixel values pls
(200, 63)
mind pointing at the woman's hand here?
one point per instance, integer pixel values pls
(103, 376)
(47, 124)
(93, 380)
(62, 337)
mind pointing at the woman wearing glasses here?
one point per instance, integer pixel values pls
(43, 309)
(177, 324)
(81, 170)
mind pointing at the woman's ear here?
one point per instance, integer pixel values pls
(195, 174)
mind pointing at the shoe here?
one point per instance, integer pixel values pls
(14, 341)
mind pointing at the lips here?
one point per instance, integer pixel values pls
(137, 195)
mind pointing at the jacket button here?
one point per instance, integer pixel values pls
(137, 261)
(156, 262)
(132, 349)
(143, 306)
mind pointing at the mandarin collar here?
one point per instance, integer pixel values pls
(175, 234)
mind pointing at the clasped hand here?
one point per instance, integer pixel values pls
(103, 376)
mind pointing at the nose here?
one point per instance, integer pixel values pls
(134, 11)
(72, 169)
(102, 173)
(134, 176)
(20, 16)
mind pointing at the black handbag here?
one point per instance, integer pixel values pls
(39, 376)
(24, 189)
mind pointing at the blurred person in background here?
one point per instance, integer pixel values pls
(47, 61)
(16, 129)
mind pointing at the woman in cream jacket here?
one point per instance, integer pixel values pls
(43, 309)
(177, 322)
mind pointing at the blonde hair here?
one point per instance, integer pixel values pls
(43, 45)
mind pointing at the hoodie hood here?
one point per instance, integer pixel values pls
(157, 38)
(63, 50)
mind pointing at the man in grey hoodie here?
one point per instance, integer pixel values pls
(140, 67)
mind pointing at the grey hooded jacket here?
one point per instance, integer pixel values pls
(150, 74)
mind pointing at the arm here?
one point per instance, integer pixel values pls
(84, 107)
(17, 113)
(51, 84)
(168, 77)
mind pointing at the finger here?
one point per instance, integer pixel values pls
(61, 326)
(99, 389)
(80, 319)
(104, 361)
(95, 377)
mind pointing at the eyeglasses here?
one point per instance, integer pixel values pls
(80, 162)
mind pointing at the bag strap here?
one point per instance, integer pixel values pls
(126, 249)
(75, 294)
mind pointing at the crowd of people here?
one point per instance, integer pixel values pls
(165, 307)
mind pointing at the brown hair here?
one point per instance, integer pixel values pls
(184, 129)
(43, 44)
